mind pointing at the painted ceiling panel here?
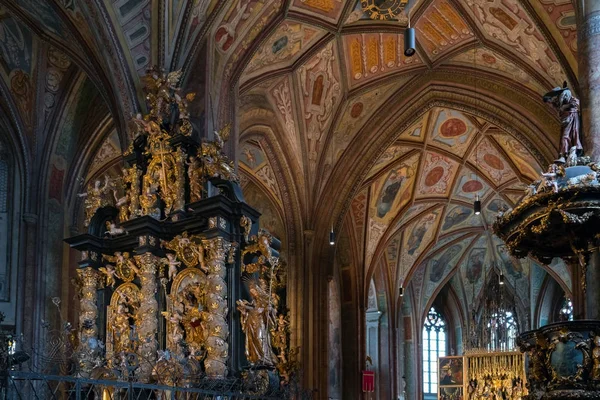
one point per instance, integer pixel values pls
(357, 112)
(468, 185)
(441, 29)
(451, 130)
(327, 10)
(372, 55)
(321, 92)
(489, 60)
(437, 176)
(282, 48)
(493, 164)
(506, 23)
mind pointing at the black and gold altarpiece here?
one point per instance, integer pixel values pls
(176, 280)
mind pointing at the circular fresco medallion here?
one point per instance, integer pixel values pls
(453, 127)
(434, 176)
(356, 110)
(472, 186)
(488, 58)
(493, 162)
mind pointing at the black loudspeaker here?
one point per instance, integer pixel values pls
(410, 46)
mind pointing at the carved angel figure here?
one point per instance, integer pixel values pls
(256, 317)
(95, 198)
(109, 273)
(551, 176)
(122, 203)
(113, 230)
(173, 264)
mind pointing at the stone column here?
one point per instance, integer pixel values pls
(147, 315)
(592, 283)
(88, 314)
(217, 347)
(588, 43)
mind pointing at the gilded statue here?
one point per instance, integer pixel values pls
(596, 358)
(159, 89)
(131, 177)
(121, 329)
(246, 224)
(122, 203)
(196, 178)
(568, 110)
(109, 274)
(95, 197)
(256, 317)
(149, 200)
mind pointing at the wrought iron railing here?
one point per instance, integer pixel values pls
(21, 385)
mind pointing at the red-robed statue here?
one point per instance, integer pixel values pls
(568, 110)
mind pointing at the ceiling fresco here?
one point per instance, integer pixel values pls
(442, 29)
(370, 56)
(420, 217)
(328, 83)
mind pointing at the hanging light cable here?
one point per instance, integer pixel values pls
(477, 202)
(331, 236)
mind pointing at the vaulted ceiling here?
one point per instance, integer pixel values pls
(336, 126)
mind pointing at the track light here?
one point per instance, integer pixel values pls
(501, 280)
(477, 205)
(409, 42)
(331, 237)
(401, 291)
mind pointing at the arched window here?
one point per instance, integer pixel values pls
(566, 311)
(503, 331)
(434, 346)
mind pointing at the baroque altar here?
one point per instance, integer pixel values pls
(177, 282)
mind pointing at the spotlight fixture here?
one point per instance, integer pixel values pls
(410, 47)
(401, 291)
(331, 237)
(477, 205)
(501, 279)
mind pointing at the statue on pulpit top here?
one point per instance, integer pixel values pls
(568, 110)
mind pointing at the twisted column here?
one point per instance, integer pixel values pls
(146, 318)
(217, 347)
(90, 280)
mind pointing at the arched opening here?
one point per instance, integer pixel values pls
(435, 345)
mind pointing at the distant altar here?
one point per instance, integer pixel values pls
(482, 375)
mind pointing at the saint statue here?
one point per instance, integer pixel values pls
(256, 317)
(568, 110)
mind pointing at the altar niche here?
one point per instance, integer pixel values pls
(177, 282)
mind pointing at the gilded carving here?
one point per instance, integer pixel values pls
(96, 197)
(89, 281)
